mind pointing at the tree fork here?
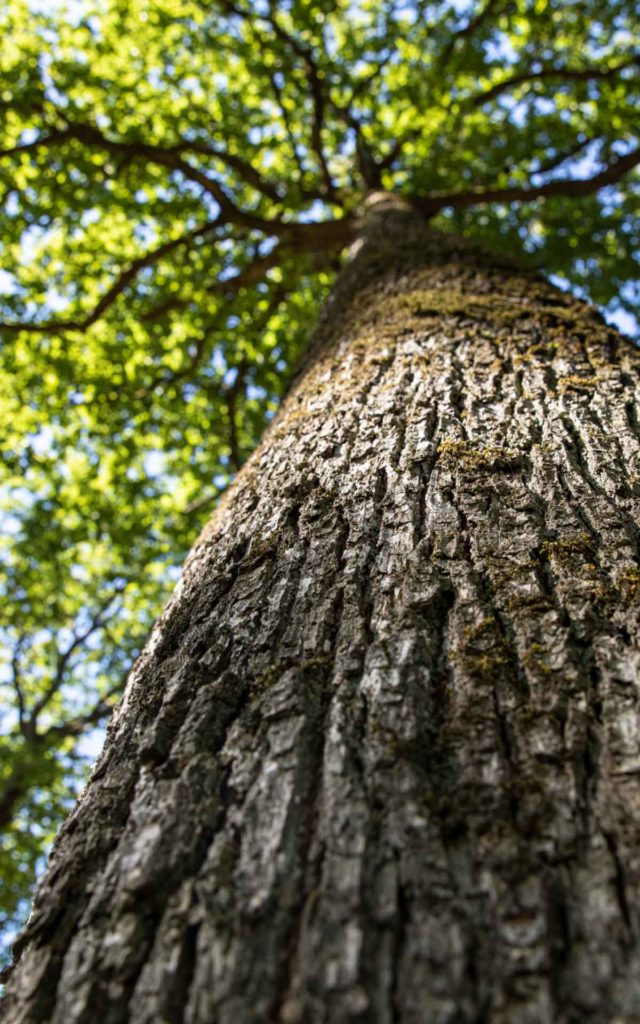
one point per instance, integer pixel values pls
(379, 760)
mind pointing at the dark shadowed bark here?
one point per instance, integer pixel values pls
(380, 759)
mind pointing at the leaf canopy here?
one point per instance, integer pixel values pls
(180, 179)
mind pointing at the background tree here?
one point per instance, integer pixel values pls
(181, 180)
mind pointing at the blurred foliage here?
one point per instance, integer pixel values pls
(168, 168)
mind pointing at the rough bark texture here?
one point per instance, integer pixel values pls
(380, 760)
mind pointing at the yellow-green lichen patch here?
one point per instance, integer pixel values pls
(628, 584)
(461, 454)
(574, 382)
(567, 548)
(538, 352)
(267, 679)
(482, 650)
(533, 659)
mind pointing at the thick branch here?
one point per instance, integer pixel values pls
(312, 236)
(89, 135)
(170, 155)
(316, 90)
(573, 187)
(564, 74)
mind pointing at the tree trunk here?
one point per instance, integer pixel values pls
(379, 762)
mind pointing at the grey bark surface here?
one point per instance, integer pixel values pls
(380, 759)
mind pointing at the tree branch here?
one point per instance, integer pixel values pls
(116, 289)
(203, 501)
(468, 30)
(64, 657)
(573, 187)
(246, 171)
(566, 74)
(76, 726)
(387, 161)
(91, 136)
(168, 155)
(16, 680)
(310, 236)
(230, 398)
(287, 124)
(559, 158)
(368, 165)
(13, 789)
(316, 91)
(369, 79)
(253, 273)
(316, 88)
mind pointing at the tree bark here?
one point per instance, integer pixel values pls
(379, 761)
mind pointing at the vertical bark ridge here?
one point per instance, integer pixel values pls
(379, 761)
